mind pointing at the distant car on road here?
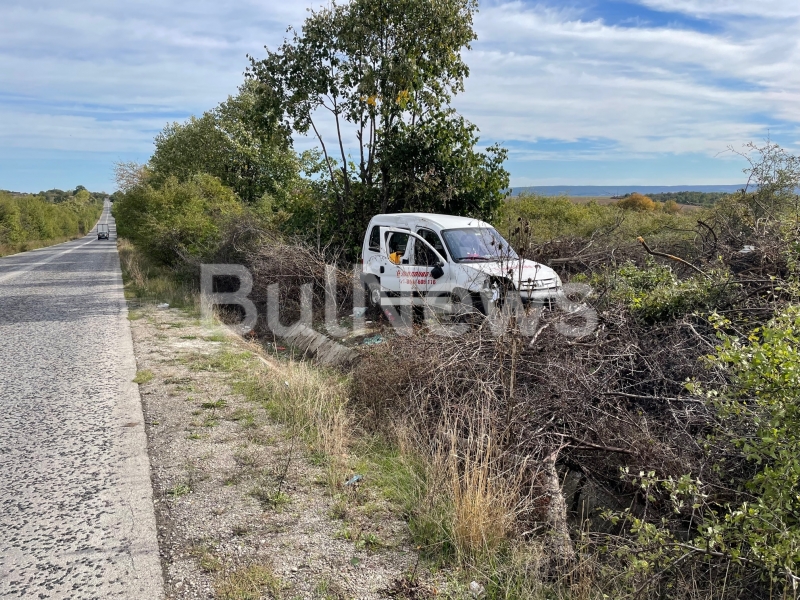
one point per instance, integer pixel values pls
(102, 231)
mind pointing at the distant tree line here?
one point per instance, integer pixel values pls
(47, 216)
(690, 198)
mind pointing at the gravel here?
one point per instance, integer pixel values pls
(211, 447)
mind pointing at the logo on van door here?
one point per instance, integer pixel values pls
(415, 277)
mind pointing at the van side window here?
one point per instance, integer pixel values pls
(375, 239)
(396, 245)
(422, 254)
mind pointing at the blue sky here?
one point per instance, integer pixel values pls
(582, 93)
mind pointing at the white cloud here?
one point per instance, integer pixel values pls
(100, 76)
(773, 9)
(539, 73)
(171, 59)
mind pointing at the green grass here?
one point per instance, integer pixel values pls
(144, 376)
(179, 490)
(269, 497)
(214, 404)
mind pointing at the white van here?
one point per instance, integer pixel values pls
(450, 263)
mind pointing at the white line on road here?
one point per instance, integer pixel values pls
(8, 276)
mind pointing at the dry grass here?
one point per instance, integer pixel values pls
(248, 583)
(313, 402)
(484, 502)
(150, 283)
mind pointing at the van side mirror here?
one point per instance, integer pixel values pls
(437, 270)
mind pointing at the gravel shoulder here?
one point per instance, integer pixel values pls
(243, 508)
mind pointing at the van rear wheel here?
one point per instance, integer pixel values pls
(373, 289)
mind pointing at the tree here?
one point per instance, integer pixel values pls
(386, 71)
(234, 142)
(637, 201)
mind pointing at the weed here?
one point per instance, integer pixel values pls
(244, 458)
(154, 283)
(208, 562)
(144, 376)
(328, 590)
(269, 497)
(247, 583)
(244, 417)
(234, 479)
(179, 490)
(221, 403)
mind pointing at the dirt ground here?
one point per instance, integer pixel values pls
(243, 509)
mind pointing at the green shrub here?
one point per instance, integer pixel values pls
(179, 220)
(557, 217)
(654, 293)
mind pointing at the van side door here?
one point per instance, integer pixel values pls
(428, 253)
(403, 281)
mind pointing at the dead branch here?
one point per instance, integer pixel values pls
(640, 239)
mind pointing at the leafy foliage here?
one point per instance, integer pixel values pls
(232, 143)
(691, 198)
(655, 292)
(178, 221)
(27, 218)
(387, 71)
(554, 217)
(761, 412)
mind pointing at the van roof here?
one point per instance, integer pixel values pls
(443, 221)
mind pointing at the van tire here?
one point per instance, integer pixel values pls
(464, 304)
(372, 287)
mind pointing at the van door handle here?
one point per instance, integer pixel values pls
(381, 269)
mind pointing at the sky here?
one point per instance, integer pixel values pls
(581, 92)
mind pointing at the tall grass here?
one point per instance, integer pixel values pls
(313, 402)
(148, 282)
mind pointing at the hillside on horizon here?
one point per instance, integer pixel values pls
(619, 190)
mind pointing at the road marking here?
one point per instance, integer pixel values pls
(45, 261)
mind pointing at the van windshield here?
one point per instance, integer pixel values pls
(477, 244)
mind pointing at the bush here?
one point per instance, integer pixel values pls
(550, 218)
(637, 201)
(655, 293)
(180, 221)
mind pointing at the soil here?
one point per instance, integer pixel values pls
(243, 509)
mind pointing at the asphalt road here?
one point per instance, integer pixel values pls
(76, 508)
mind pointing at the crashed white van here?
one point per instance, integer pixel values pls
(450, 263)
